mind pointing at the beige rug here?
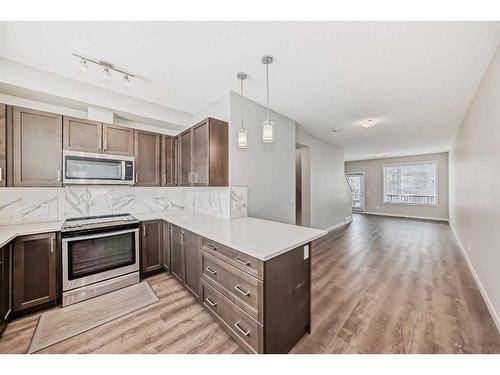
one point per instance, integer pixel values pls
(61, 324)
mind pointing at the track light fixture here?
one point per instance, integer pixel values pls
(107, 67)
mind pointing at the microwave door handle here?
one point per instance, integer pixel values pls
(123, 170)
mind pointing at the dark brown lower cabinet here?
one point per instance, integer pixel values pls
(34, 271)
(192, 244)
(151, 246)
(177, 259)
(166, 246)
(5, 285)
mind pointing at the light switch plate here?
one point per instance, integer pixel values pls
(306, 252)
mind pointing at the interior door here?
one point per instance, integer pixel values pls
(357, 182)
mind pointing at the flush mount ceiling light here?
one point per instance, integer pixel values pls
(336, 130)
(268, 125)
(242, 132)
(107, 67)
(369, 123)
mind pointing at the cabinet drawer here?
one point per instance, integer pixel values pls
(242, 327)
(242, 261)
(244, 290)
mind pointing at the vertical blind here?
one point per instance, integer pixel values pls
(414, 183)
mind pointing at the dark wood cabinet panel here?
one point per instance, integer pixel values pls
(199, 154)
(177, 259)
(219, 153)
(166, 246)
(5, 285)
(34, 271)
(184, 141)
(117, 140)
(151, 246)
(192, 244)
(81, 135)
(147, 158)
(169, 161)
(37, 148)
(3, 145)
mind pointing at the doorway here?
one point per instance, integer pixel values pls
(357, 182)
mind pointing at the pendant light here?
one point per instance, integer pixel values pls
(242, 132)
(268, 125)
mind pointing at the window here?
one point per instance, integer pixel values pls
(412, 183)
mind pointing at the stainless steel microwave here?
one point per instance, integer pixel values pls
(87, 168)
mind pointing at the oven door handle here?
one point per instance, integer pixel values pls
(99, 235)
(123, 170)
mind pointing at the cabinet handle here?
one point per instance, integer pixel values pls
(1, 174)
(99, 144)
(242, 291)
(164, 179)
(136, 177)
(143, 230)
(239, 260)
(213, 272)
(52, 245)
(211, 247)
(58, 175)
(242, 331)
(182, 238)
(210, 302)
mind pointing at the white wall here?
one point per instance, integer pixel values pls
(268, 169)
(374, 184)
(329, 198)
(475, 186)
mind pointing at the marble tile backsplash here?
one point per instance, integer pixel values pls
(239, 201)
(32, 205)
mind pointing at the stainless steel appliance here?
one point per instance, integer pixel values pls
(99, 254)
(99, 169)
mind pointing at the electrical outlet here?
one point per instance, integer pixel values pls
(44, 208)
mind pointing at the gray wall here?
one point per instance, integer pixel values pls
(329, 199)
(475, 186)
(374, 187)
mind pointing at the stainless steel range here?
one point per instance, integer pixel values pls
(99, 254)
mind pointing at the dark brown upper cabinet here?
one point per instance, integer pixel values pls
(117, 140)
(34, 270)
(37, 148)
(169, 162)
(147, 158)
(151, 246)
(3, 144)
(203, 154)
(82, 135)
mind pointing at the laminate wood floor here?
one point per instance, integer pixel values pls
(381, 285)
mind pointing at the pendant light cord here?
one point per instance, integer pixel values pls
(267, 86)
(242, 114)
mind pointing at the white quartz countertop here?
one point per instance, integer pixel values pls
(262, 239)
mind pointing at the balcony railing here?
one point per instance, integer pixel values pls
(410, 199)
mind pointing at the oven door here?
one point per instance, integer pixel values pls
(102, 169)
(88, 259)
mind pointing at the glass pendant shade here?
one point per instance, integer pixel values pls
(242, 138)
(268, 131)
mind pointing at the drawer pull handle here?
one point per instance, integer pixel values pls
(211, 247)
(243, 332)
(242, 291)
(213, 272)
(210, 302)
(238, 259)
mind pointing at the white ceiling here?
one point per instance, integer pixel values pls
(416, 78)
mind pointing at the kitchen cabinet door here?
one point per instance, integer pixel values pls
(3, 145)
(184, 141)
(5, 285)
(117, 140)
(177, 258)
(199, 154)
(147, 158)
(166, 246)
(81, 135)
(169, 160)
(151, 246)
(34, 270)
(192, 244)
(218, 153)
(37, 148)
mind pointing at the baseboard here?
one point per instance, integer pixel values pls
(489, 305)
(404, 216)
(339, 225)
